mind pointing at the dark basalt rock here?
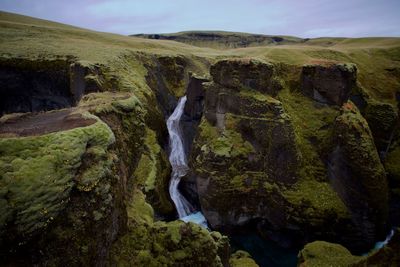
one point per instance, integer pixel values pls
(27, 86)
(42, 85)
(329, 84)
(192, 115)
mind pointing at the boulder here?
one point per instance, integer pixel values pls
(242, 259)
(329, 83)
(321, 253)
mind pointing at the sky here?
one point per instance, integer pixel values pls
(302, 18)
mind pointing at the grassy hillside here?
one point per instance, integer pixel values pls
(378, 59)
(223, 40)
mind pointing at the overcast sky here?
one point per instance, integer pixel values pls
(303, 18)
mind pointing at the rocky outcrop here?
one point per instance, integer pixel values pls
(242, 259)
(66, 186)
(320, 253)
(69, 200)
(329, 83)
(248, 167)
(249, 73)
(193, 110)
(359, 177)
(168, 77)
(254, 138)
(166, 244)
(382, 119)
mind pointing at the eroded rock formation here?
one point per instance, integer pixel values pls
(330, 83)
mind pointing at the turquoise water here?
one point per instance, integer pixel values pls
(197, 218)
(265, 252)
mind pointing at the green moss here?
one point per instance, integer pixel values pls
(139, 211)
(320, 253)
(249, 93)
(313, 132)
(152, 173)
(242, 259)
(316, 199)
(166, 244)
(38, 172)
(392, 165)
(228, 143)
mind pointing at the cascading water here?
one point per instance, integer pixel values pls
(178, 161)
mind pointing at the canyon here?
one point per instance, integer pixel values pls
(200, 149)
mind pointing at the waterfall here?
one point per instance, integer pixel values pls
(177, 158)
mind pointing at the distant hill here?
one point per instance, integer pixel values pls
(222, 39)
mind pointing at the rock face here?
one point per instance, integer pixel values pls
(34, 86)
(247, 166)
(358, 175)
(167, 76)
(382, 119)
(245, 142)
(42, 85)
(329, 84)
(250, 73)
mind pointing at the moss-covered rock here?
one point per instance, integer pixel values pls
(251, 73)
(53, 186)
(236, 152)
(392, 167)
(358, 176)
(38, 174)
(149, 243)
(382, 119)
(329, 83)
(166, 244)
(152, 174)
(248, 156)
(320, 253)
(242, 259)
